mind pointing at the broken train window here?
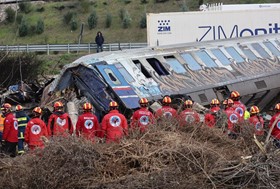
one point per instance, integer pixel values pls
(112, 76)
(158, 67)
(142, 68)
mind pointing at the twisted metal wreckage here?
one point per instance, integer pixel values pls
(200, 71)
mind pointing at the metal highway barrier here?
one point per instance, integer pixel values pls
(89, 47)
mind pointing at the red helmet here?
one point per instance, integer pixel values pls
(37, 110)
(188, 103)
(215, 102)
(87, 106)
(254, 110)
(234, 94)
(166, 100)
(277, 107)
(18, 107)
(113, 104)
(57, 105)
(6, 106)
(225, 102)
(143, 102)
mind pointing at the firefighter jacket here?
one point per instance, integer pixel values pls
(239, 108)
(188, 117)
(22, 122)
(258, 122)
(141, 119)
(276, 130)
(114, 126)
(166, 111)
(59, 124)
(10, 132)
(234, 119)
(210, 118)
(2, 118)
(35, 129)
(87, 126)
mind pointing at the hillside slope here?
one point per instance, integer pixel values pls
(56, 31)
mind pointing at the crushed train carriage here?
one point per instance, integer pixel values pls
(200, 71)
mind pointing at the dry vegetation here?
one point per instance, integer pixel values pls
(164, 157)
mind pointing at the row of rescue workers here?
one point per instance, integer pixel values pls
(17, 128)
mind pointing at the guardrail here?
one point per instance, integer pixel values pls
(90, 47)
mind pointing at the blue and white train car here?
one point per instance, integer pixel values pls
(200, 71)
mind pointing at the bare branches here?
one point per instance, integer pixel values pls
(165, 156)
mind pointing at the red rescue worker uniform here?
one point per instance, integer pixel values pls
(188, 116)
(35, 129)
(166, 111)
(114, 124)
(238, 106)
(234, 118)
(59, 122)
(210, 118)
(276, 130)
(256, 120)
(142, 118)
(2, 119)
(87, 124)
(10, 132)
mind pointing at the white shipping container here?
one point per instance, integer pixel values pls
(183, 27)
(222, 7)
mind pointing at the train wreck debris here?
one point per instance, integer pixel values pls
(199, 71)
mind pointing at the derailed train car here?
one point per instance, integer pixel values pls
(200, 71)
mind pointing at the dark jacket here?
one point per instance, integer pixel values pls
(99, 39)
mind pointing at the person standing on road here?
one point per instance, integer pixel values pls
(99, 40)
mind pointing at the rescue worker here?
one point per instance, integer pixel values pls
(233, 119)
(211, 117)
(23, 119)
(10, 132)
(166, 110)
(35, 130)
(256, 120)
(87, 124)
(59, 122)
(247, 114)
(188, 116)
(114, 124)
(142, 118)
(276, 126)
(2, 118)
(238, 106)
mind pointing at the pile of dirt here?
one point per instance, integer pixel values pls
(166, 156)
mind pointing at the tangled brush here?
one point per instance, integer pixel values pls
(166, 156)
